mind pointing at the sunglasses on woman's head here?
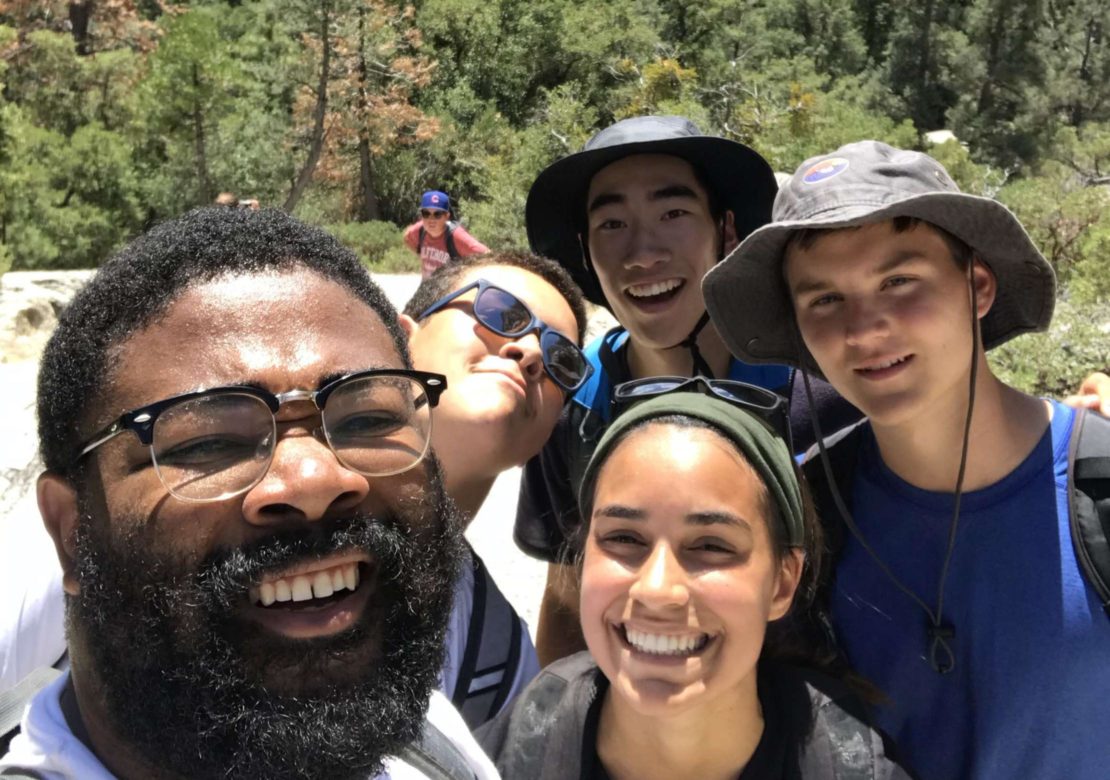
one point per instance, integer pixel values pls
(432, 213)
(769, 406)
(506, 315)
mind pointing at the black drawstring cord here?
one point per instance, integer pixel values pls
(701, 368)
(942, 657)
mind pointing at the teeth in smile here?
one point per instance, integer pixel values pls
(306, 586)
(664, 644)
(655, 288)
(885, 364)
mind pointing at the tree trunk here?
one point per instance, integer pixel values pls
(200, 153)
(316, 146)
(924, 101)
(80, 12)
(368, 195)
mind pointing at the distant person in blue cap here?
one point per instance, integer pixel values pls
(436, 237)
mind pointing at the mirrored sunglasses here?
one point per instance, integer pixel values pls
(506, 315)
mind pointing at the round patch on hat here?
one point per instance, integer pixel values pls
(435, 199)
(825, 169)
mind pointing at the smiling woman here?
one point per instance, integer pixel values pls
(699, 537)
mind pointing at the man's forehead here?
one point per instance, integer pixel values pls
(277, 330)
(639, 170)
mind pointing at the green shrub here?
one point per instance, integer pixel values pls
(1054, 363)
(378, 245)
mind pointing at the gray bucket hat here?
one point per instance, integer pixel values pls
(859, 184)
(741, 181)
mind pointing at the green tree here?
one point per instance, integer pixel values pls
(1075, 46)
(192, 85)
(997, 78)
(923, 45)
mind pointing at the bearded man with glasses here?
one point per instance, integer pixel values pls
(257, 551)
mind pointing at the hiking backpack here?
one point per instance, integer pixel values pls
(492, 655)
(1088, 494)
(452, 226)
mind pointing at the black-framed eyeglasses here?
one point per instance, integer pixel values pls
(212, 444)
(765, 404)
(506, 315)
(432, 213)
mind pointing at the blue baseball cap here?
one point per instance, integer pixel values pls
(434, 199)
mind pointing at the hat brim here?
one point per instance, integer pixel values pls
(748, 301)
(741, 181)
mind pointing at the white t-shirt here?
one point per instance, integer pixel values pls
(48, 747)
(32, 610)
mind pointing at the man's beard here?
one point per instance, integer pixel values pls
(183, 673)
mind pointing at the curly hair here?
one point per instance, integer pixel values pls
(144, 278)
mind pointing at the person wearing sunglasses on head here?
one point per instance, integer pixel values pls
(699, 540)
(436, 237)
(505, 329)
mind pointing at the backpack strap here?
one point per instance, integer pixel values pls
(842, 448)
(437, 756)
(1089, 499)
(14, 700)
(448, 237)
(492, 656)
(452, 225)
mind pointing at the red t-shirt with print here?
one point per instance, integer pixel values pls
(434, 252)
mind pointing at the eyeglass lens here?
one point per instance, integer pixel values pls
(768, 405)
(752, 396)
(216, 446)
(505, 314)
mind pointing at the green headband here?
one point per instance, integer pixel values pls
(762, 448)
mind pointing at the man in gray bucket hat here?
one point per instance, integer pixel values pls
(637, 217)
(959, 591)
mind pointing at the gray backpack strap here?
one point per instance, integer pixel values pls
(437, 756)
(542, 739)
(13, 701)
(1089, 499)
(492, 656)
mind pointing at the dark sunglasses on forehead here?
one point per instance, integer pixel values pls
(212, 444)
(432, 213)
(769, 406)
(506, 315)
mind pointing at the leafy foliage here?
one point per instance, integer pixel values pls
(118, 113)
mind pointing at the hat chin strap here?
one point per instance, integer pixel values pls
(701, 367)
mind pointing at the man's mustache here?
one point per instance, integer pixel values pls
(225, 575)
